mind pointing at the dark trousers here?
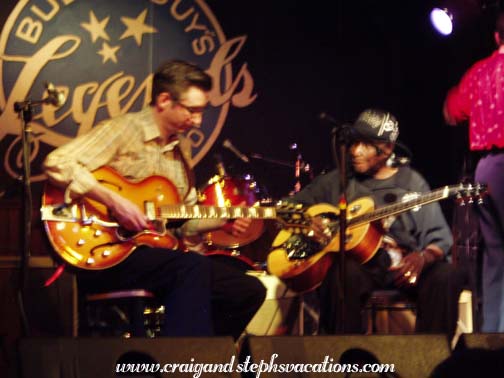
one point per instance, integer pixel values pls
(436, 294)
(490, 171)
(202, 297)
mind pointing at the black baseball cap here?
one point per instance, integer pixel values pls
(376, 125)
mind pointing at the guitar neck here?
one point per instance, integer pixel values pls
(400, 207)
(215, 212)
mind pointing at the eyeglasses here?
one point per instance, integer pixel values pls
(192, 109)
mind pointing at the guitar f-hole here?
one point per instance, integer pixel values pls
(106, 182)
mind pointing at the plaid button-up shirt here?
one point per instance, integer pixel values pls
(130, 144)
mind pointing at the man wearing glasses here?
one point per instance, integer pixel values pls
(201, 297)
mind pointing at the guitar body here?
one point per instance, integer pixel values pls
(100, 245)
(226, 191)
(362, 242)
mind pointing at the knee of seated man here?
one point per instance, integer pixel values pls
(444, 273)
(194, 262)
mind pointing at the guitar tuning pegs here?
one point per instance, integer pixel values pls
(481, 190)
(459, 199)
(480, 199)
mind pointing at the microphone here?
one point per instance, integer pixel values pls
(219, 164)
(227, 144)
(54, 96)
(323, 116)
(337, 126)
(395, 161)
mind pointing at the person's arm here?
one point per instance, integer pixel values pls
(448, 109)
(70, 167)
(454, 108)
(433, 236)
(414, 263)
(191, 232)
(457, 104)
(323, 189)
(125, 212)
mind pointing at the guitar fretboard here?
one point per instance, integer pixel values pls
(397, 208)
(215, 212)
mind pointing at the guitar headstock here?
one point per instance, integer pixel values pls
(470, 193)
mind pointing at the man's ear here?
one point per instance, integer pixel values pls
(497, 38)
(387, 148)
(163, 100)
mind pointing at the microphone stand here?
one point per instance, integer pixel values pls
(272, 161)
(340, 139)
(25, 110)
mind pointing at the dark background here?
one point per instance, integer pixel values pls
(340, 57)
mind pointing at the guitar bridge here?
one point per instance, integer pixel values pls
(299, 247)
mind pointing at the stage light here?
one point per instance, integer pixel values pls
(442, 20)
(449, 16)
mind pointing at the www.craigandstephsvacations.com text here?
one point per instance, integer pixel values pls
(198, 369)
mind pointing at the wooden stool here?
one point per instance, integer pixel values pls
(122, 313)
(379, 306)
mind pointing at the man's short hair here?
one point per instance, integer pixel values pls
(176, 76)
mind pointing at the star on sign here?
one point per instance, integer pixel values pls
(108, 52)
(96, 28)
(136, 27)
